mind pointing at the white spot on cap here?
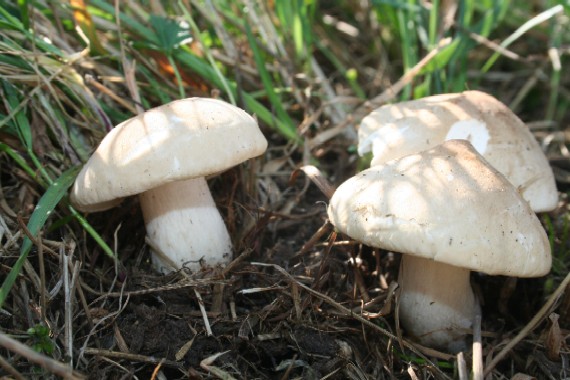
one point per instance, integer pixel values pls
(380, 140)
(472, 130)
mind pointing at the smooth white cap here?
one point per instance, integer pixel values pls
(397, 130)
(187, 138)
(447, 204)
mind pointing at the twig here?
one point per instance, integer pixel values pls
(316, 177)
(477, 345)
(156, 370)
(538, 317)
(462, 367)
(128, 67)
(89, 80)
(42, 270)
(309, 244)
(43, 361)
(68, 334)
(493, 45)
(412, 373)
(359, 283)
(131, 357)
(204, 314)
(181, 285)
(206, 364)
(231, 266)
(296, 301)
(217, 298)
(69, 286)
(406, 79)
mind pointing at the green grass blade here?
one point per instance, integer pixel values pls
(94, 234)
(188, 17)
(206, 72)
(544, 16)
(22, 124)
(20, 161)
(266, 80)
(24, 13)
(127, 22)
(20, 121)
(408, 46)
(47, 203)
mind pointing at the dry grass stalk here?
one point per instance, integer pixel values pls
(207, 365)
(47, 363)
(203, 312)
(462, 367)
(477, 348)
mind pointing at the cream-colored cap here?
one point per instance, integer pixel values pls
(187, 138)
(447, 204)
(397, 130)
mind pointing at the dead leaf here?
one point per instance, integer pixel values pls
(553, 338)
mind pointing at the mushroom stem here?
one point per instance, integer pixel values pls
(182, 221)
(437, 304)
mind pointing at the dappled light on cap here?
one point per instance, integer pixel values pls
(164, 156)
(446, 202)
(397, 130)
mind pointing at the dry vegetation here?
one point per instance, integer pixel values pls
(299, 300)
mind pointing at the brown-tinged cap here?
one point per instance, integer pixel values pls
(397, 130)
(187, 138)
(447, 204)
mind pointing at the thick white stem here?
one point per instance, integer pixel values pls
(437, 304)
(182, 221)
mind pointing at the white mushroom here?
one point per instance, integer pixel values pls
(448, 212)
(397, 130)
(164, 156)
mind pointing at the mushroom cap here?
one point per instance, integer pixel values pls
(187, 138)
(397, 130)
(447, 204)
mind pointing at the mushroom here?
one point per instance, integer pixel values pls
(448, 212)
(164, 155)
(397, 130)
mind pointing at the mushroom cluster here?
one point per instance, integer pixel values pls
(454, 186)
(164, 155)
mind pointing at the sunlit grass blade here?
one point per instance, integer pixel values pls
(538, 19)
(556, 37)
(83, 18)
(217, 71)
(295, 17)
(408, 47)
(267, 82)
(45, 206)
(91, 231)
(126, 21)
(204, 70)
